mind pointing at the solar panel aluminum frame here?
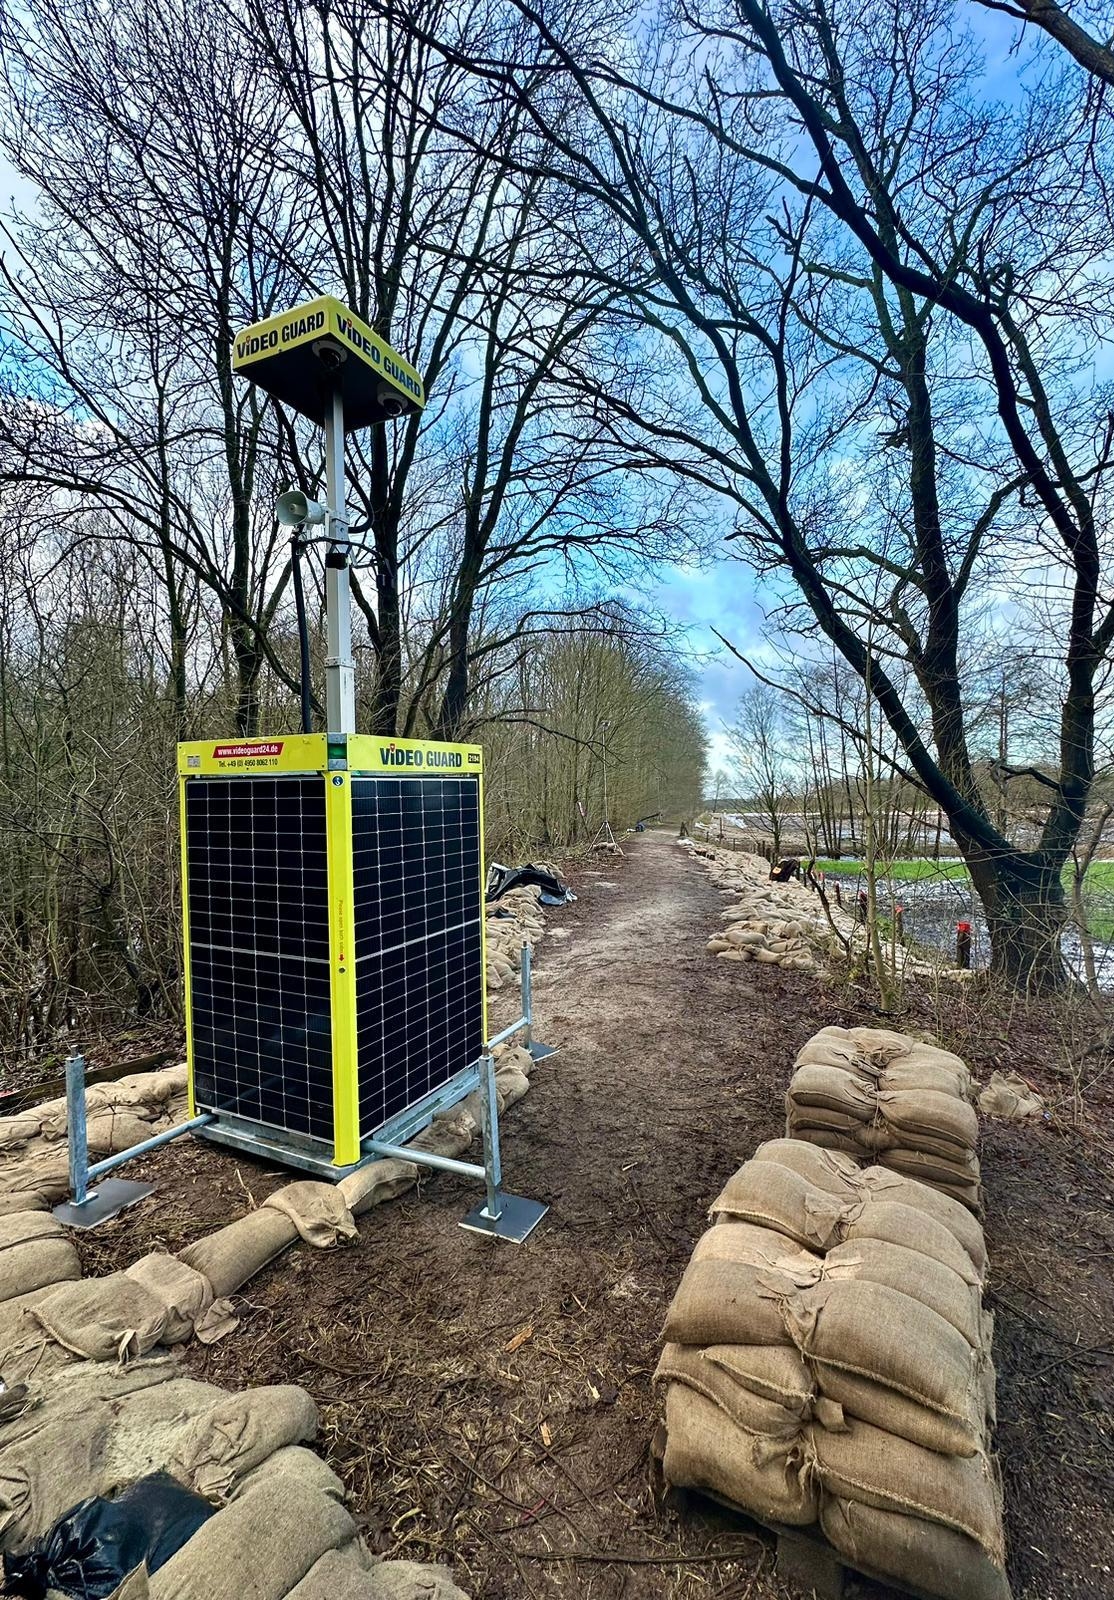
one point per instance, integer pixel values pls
(336, 763)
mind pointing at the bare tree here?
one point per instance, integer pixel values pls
(848, 264)
(758, 744)
(1092, 54)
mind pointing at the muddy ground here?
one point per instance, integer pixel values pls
(490, 1405)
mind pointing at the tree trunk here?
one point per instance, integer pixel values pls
(1023, 898)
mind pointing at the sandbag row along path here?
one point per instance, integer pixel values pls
(490, 1406)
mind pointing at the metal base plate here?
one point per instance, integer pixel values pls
(541, 1051)
(516, 1220)
(108, 1199)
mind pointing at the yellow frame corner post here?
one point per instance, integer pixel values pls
(483, 911)
(342, 968)
(187, 980)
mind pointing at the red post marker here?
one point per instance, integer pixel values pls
(899, 922)
(963, 944)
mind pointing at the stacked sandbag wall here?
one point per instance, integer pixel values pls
(827, 1364)
(892, 1100)
(776, 924)
(510, 922)
(87, 1411)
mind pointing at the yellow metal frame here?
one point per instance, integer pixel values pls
(337, 761)
(342, 969)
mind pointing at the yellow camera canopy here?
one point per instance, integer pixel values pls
(302, 357)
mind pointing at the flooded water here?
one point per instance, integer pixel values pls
(933, 905)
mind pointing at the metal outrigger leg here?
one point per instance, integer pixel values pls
(502, 1215)
(92, 1201)
(506, 1216)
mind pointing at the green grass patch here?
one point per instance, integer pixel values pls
(1098, 886)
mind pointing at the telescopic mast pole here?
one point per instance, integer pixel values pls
(340, 669)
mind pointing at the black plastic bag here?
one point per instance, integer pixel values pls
(91, 1549)
(500, 879)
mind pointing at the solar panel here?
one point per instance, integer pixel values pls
(418, 914)
(334, 933)
(259, 950)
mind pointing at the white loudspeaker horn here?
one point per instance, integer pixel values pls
(294, 509)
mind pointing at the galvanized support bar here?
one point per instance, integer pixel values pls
(76, 1131)
(527, 995)
(506, 1033)
(493, 1166)
(424, 1158)
(110, 1163)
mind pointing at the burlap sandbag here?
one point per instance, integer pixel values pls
(370, 1185)
(135, 1586)
(53, 1462)
(951, 1295)
(705, 1450)
(511, 1083)
(257, 1547)
(836, 1174)
(41, 1170)
(926, 1119)
(143, 1095)
(824, 1120)
(35, 1250)
(16, 1200)
(915, 1230)
(237, 1433)
(718, 1302)
(960, 1181)
(830, 1047)
(880, 1184)
(184, 1293)
(773, 1196)
(729, 1291)
(913, 1552)
(895, 1343)
(236, 1252)
(894, 1413)
(826, 1139)
(931, 1058)
(932, 1070)
(833, 1089)
(879, 1469)
(81, 1384)
(148, 1427)
(773, 1372)
(339, 1576)
(447, 1135)
(698, 1369)
(515, 1055)
(17, 1129)
(1010, 1096)
(317, 1210)
(293, 1461)
(102, 1318)
(114, 1129)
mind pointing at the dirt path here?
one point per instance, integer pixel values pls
(490, 1405)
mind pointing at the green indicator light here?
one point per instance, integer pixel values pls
(337, 749)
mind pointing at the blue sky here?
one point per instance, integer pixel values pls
(722, 594)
